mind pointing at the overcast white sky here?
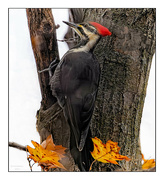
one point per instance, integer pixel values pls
(25, 97)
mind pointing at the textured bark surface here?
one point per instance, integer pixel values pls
(125, 60)
(43, 38)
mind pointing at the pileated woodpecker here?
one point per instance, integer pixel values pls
(75, 84)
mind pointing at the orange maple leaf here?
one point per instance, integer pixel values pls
(148, 163)
(107, 153)
(47, 154)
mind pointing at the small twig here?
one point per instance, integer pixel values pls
(17, 146)
(97, 159)
(28, 159)
(29, 164)
(57, 26)
(92, 165)
(23, 148)
(68, 40)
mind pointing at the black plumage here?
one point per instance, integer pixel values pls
(75, 83)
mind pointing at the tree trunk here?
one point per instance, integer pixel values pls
(125, 59)
(45, 48)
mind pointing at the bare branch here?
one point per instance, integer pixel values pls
(68, 40)
(17, 146)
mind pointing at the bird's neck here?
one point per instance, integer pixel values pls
(87, 45)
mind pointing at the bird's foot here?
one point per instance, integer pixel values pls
(52, 65)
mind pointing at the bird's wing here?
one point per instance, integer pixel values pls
(86, 115)
(79, 112)
(79, 82)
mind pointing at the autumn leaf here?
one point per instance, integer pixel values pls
(49, 145)
(107, 153)
(148, 163)
(47, 154)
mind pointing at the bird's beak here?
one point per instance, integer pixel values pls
(74, 26)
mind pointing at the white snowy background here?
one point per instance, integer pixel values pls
(25, 97)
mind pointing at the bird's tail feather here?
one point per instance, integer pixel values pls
(79, 151)
(86, 152)
(82, 158)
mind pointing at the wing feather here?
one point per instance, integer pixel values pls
(76, 83)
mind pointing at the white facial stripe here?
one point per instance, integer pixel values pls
(88, 33)
(92, 40)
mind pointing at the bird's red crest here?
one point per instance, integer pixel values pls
(103, 31)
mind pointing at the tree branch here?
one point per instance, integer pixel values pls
(18, 146)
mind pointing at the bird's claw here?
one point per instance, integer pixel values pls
(52, 65)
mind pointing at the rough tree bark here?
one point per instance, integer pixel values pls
(125, 60)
